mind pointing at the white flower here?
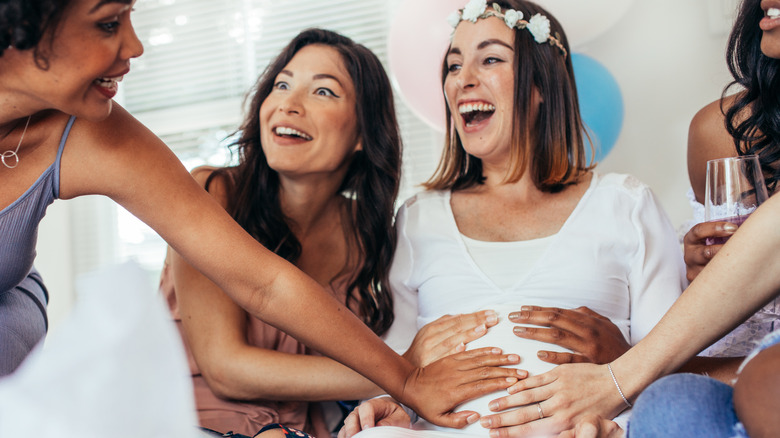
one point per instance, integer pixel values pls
(454, 18)
(474, 9)
(511, 16)
(539, 26)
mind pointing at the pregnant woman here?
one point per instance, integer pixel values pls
(514, 216)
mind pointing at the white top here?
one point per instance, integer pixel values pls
(617, 253)
(505, 263)
(743, 339)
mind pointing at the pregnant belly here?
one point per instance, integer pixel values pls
(501, 336)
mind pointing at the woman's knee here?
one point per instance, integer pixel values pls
(683, 405)
(757, 394)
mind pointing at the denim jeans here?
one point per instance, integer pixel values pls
(685, 406)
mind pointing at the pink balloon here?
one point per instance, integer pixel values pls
(419, 36)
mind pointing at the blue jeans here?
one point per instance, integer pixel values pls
(685, 406)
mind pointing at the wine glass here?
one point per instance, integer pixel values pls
(735, 188)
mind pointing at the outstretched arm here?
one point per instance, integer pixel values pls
(738, 281)
(120, 158)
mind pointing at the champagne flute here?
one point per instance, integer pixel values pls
(735, 188)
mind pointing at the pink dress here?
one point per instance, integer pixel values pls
(239, 416)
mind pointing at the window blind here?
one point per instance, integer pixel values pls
(201, 57)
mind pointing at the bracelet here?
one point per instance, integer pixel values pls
(609, 367)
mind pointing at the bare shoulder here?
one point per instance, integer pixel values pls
(708, 139)
(101, 156)
(707, 134)
(216, 180)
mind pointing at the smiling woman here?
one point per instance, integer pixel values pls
(514, 219)
(59, 67)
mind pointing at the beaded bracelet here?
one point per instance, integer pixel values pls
(609, 367)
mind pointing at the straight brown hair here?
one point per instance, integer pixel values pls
(554, 142)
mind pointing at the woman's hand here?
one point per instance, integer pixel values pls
(592, 338)
(594, 426)
(382, 411)
(555, 401)
(697, 252)
(436, 390)
(448, 335)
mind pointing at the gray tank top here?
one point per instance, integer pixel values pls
(19, 222)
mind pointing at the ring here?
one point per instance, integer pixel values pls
(541, 412)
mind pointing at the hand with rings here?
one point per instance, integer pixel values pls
(556, 401)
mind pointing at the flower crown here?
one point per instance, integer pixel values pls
(538, 25)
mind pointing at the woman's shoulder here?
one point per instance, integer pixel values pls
(215, 180)
(425, 198)
(623, 183)
(707, 131)
(708, 139)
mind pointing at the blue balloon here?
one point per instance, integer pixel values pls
(601, 103)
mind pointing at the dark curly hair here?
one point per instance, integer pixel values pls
(372, 178)
(759, 75)
(24, 22)
(554, 143)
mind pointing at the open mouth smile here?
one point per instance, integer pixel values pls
(474, 113)
(110, 84)
(287, 132)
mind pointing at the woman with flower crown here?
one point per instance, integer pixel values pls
(514, 216)
(63, 136)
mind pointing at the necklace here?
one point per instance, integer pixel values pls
(12, 154)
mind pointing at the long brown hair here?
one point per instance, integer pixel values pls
(554, 142)
(372, 178)
(759, 76)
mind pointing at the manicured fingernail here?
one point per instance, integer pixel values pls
(472, 418)
(496, 350)
(494, 434)
(525, 308)
(729, 227)
(485, 422)
(480, 328)
(492, 318)
(513, 358)
(511, 380)
(541, 355)
(519, 330)
(708, 252)
(493, 406)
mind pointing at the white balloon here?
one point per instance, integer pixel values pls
(584, 20)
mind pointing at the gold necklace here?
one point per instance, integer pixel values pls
(12, 154)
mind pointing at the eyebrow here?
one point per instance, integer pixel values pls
(101, 3)
(316, 77)
(482, 45)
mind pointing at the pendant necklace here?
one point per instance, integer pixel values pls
(12, 154)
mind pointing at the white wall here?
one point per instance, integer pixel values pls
(668, 62)
(668, 57)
